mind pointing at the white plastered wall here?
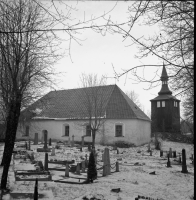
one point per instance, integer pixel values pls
(134, 130)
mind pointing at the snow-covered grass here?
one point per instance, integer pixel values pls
(133, 179)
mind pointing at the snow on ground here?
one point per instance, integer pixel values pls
(133, 180)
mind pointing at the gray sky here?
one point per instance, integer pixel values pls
(103, 54)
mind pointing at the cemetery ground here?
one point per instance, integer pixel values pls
(140, 173)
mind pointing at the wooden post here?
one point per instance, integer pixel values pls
(46, 162)
(150, 153)
(36, 190)
(67, 170)
(161, 153)
(36, 139)
(184, 167)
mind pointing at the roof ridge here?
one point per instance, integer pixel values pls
(82, 88)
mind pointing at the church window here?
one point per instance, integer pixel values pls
(119, 131)
(88, 130)
(66, 130)
(163, 103)
(158, 104)
(175, 104)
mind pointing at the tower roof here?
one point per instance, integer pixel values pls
(164, 75)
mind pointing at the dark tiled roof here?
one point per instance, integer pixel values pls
(71, 104)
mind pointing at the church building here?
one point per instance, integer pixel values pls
(165, 109)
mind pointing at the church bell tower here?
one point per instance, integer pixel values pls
(165, 109)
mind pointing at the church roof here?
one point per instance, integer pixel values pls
(71, 104)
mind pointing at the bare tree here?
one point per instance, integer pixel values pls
(173, 44)
(26, 58)
(94, 102)
(134, 97)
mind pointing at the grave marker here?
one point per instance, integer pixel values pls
(168, 162)
(184, 167)
(174, 154)
(45, 139)
(26, 146)
(53, 151)
(106, 163)
(46, 162)
(36, 139)
(72, 143)
(50, 142)
(36, 190)
(82, 141)
(170, 152)
(78, 169)
(161, 153)
(83, 166)
(29, 145)
(67, 170)
(117, 166)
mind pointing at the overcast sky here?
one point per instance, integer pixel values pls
(104, 54)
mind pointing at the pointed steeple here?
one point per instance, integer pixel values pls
(164, 79)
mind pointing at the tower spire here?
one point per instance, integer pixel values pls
(164, 79)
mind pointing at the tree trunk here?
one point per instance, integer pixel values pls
(12, 123)
(93, 137)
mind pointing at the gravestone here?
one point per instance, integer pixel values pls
(117, 166)
(174, 154)
(53, 151)
(45, 139)
(78, 169)
(170, 152)
(69, 142)
(82, 141)
(83, 166)
(72, 143)
(184, 167)
(168, 161)
(161, 153)
(29, 145)
(50, 142)
(36, 190)
(67, 170)
(46, 162)
(106, 163)
(36, 139)
(26, 146)
(149, 147)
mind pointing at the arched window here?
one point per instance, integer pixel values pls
(66, 130)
